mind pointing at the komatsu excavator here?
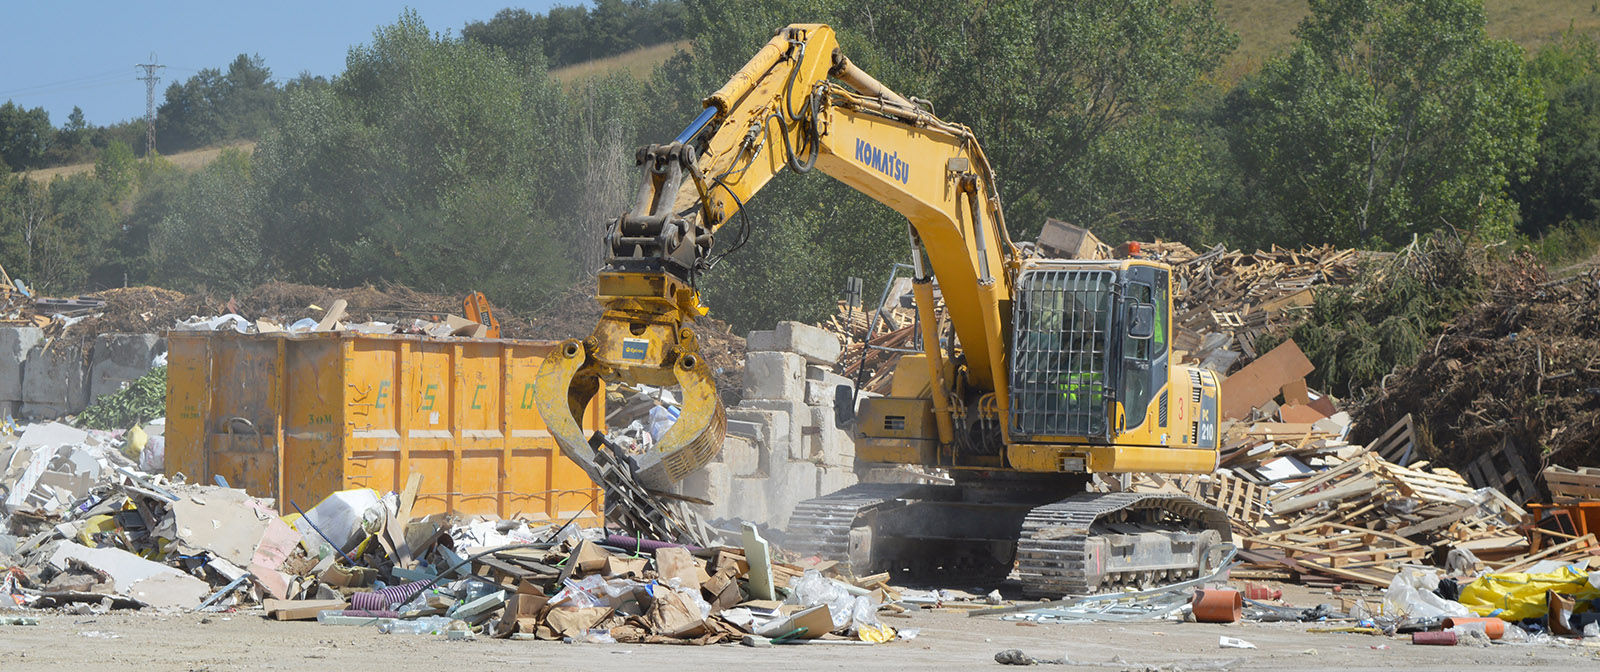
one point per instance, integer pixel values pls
(1058, 370)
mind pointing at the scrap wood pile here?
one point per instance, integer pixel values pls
(893, 332)
(84, 530)
(1306, 505)
(1227, 299)
(1512, 385)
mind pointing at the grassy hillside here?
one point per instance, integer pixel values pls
(190, 160)
(638, 62)
(1265, 26)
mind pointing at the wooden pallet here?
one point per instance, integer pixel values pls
(1581, 483)
(1503, 470)
(1399, 443)
(1243, 501)
(1343, 551)
(1585, 546)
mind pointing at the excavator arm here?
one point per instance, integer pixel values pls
(800, 105)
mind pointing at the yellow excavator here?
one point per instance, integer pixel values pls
(1058, 369)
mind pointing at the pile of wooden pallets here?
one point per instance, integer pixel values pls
(1227, 299)
(1304, 504)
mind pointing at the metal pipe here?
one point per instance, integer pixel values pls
(981, 239)
(699, 124)
(628, 543)
(859, 80)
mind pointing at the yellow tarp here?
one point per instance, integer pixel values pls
(1513, 597)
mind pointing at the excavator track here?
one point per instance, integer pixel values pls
(1077, 546)
(821, 526)
(1071, 547)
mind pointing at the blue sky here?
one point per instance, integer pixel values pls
(61, 54)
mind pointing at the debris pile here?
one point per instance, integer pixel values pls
(1512, 385)
(872, 341)
(87, 530)
(279, 306)
(1226, 300)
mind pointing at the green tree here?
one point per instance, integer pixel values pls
(513, 30)
(391, 173)
(25, 135)
(215, 205)
(1564, 184)
(118, 170)
(214, 106)
(1388, 118)
(83, 221)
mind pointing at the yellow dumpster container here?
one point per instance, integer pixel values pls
(297, 417)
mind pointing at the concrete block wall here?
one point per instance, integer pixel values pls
(119, 359)
(782, 446)
(46, 379)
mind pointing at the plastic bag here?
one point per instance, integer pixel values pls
(877, 634)
(848, 611)
(581, 593)
(1410, 595)
(661, 420)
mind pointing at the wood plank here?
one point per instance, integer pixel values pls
(1259, 381)
(1354, 487)
(299, 610)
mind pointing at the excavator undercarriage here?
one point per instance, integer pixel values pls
(961, 535)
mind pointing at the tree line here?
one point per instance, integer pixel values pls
(451, 163)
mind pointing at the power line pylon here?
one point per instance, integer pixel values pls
(150, 80)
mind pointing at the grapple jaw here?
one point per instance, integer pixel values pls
(572, 374)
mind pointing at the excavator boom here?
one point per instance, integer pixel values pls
(780, 111)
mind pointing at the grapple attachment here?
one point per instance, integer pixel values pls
(572, 374)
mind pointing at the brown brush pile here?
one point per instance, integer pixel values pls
(1520, 369)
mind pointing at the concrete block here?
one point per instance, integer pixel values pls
(745, 429)
(15, 343)
(120, 358)
(762, 341)
(54, 381)
(813, 343)
(790, 484)
(774, 376)
(834, 479)
(784, 420)
(884, 473)
(821, 383)
(826, 444)
(742, 457)
(816, 344)
(826, 374)
(710, 483)
(747, 500)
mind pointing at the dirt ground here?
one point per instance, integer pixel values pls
(947, 640)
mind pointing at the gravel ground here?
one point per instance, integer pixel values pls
(947, 640)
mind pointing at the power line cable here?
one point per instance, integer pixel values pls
(86, 79)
